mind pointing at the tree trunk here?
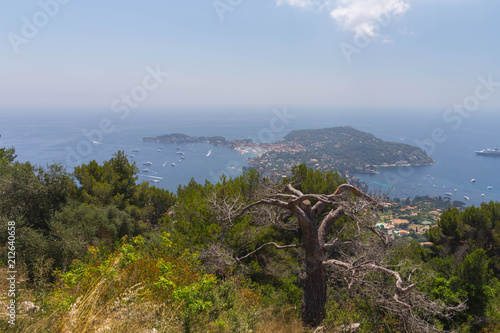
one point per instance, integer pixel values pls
(314, 298)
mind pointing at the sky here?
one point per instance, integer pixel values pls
(341, 53)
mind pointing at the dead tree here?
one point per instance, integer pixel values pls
(316, 215)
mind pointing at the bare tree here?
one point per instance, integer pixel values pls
(355, 260)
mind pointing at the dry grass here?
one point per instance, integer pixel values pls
(115, 295)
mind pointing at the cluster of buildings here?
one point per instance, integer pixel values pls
(409, 220)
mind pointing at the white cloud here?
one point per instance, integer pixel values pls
(309, 4)
(363, 17)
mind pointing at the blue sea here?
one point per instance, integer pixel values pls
(76, 136)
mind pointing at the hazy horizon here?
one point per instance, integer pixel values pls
(343, 54)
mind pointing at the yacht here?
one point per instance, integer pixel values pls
(147, 163)
(491, 152)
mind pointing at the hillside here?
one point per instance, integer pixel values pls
(338, 148)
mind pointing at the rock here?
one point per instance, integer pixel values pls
(28, 307)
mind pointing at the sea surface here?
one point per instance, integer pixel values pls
(76, 136)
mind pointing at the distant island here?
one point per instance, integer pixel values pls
(183, 138)
(343, 149)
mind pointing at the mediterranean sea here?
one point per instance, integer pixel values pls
(72, 137)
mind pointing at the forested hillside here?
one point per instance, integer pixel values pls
(96, 251)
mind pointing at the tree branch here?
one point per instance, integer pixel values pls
(336, 244)
(327, 223)
(384, 237)
(399, 281)
(304, 197)
(293, 190)
(283, 196)
(271, 202)
(267, 244)
(354, 190)
(318, 207)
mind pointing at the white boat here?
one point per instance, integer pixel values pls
(136, 150)
(173, 164)
(482, 194)
(165, 163)
(209, 152)
(146, 170)
(154, 181)
(147, 163)
(466, 197)
(490, 152)
(473, 180)
(182, 158)
(131, 156)
(489, 187)
(449, 193)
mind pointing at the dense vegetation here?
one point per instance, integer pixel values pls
(97, 251)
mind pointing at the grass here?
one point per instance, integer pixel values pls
(144, 290)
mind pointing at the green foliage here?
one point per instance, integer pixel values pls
(8, 154)
(151, 203)
(315, 181)
(57, 221)
(110, 183)
(161, 277)
(78, 225)
(106, 286)
(474, 228)
(466, 257)
(30, 195)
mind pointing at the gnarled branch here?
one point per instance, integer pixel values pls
(267, 244)
(373, 267)
(293, 190)
(354, 190)
(327, 223)
(271, 202)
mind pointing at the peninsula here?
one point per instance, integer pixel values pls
(342, 149)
